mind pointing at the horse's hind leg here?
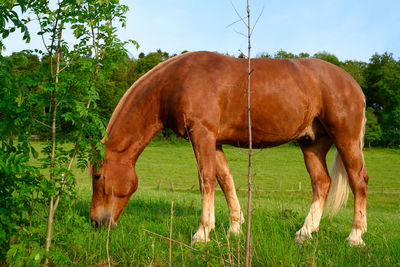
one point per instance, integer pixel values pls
(348, 133)
(358, 178)
(225, 180)
(314, 157)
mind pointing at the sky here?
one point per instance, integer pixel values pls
(349, 29)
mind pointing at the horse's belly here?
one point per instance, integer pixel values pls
(272, 122)
(262, 137)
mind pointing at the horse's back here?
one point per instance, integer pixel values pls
(286, 96)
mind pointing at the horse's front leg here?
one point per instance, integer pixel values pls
(225, 180)
(203, 142)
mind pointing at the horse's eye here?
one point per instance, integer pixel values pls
(97, 176)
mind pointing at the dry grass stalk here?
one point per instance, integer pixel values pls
(170, 234)
(314, 251)
(183, 262)
(226, 233)
(133, 258)
(109, 228)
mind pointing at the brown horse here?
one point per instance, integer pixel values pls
(201, 95)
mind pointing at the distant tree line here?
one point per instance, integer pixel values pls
(379, 79)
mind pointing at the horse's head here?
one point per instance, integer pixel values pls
(114, 182)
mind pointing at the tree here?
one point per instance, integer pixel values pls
(284, 55)
(19, 180)
(327, 57)
(281, 54)
(149, 61)
(382, 90)
(355, 69)
(373, 132)
(65, 84)
(10, 20)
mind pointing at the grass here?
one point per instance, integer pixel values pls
(279, 211)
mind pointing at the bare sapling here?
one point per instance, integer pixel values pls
(248, 230)
(249, 126)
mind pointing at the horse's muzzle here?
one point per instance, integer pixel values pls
(103, 222)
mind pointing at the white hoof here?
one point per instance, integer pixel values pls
(302, 237)
(355, 239)
(201, 236)
(235, 228)
(357, 243)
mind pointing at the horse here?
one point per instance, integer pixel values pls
(201, 96)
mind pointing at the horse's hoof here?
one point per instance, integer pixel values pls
(301, 238)
(235, 228)
(356, 242)
(200, 237)
(355, 239)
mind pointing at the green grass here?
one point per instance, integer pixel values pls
(279, 211)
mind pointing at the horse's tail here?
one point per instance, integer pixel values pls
(339, 190)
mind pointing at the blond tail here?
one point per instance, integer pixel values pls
(339, 191)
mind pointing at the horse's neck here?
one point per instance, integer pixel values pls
(133, 125)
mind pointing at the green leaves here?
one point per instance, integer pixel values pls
(67, 78)
(373, 132)
(382, 89)
(10, 20)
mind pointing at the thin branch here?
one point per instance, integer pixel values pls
(242, 34)
(41, 29)
(170, 239)
(42, 123)
(63, 68)
(64, 178)
(93, 37)
(29, 204)
(236, 22)
(53, 40)
(237, 13)
(259, 16)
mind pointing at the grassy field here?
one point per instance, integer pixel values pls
(279, 211)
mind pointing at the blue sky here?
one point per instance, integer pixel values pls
(350, 29)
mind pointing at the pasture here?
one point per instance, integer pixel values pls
(168, 172)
